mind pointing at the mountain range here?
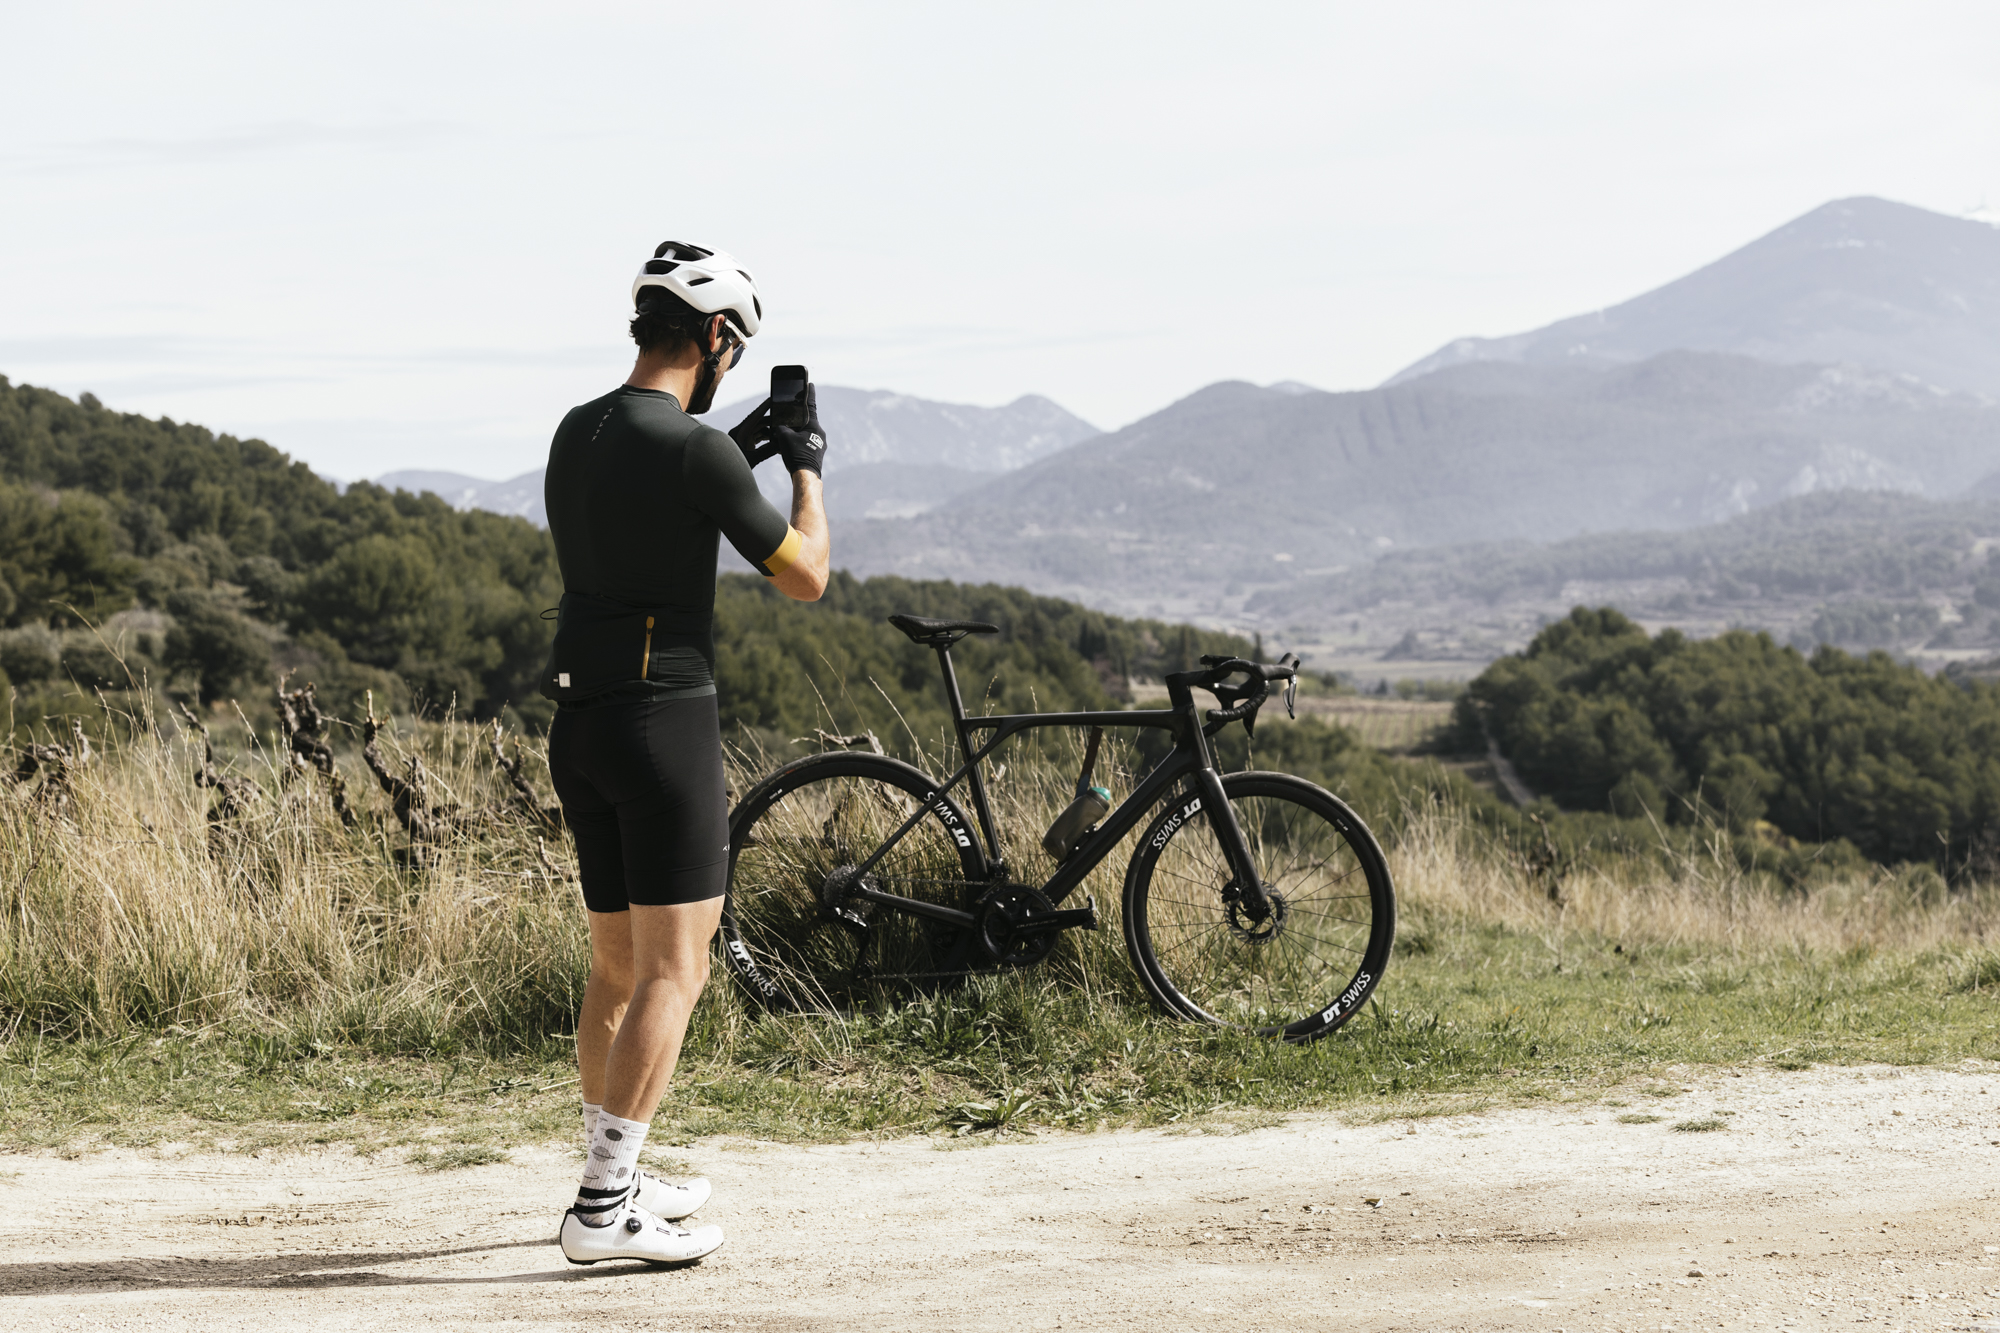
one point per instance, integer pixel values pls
(895, 455)
(1236, 487)
(1855, 348)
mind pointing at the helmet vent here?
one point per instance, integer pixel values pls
(760, 308)
(661, 266)
(681, 250)
(696, 282)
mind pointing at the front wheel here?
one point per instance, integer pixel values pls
(1302, 970)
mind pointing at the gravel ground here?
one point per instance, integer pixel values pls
(1831, 1196)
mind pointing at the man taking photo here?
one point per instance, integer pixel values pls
(639, 495)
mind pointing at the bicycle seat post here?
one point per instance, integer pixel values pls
(997, 861)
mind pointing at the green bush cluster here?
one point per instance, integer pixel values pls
(1738, 729)
(256, 564)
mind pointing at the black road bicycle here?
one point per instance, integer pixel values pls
(1254, 900)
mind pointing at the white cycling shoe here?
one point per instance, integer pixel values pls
(668, 1201)
(637, 1234)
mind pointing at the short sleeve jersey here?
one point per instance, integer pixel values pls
(638, 493)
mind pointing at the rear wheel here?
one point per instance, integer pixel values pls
(1305, 968)
(791, 931)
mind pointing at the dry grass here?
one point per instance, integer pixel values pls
(292, 979)
(131, 908)
(1696, 896)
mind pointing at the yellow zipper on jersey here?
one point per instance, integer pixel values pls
(646, 658)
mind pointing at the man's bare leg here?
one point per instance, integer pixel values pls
(605, 997)
(669, 969)
(636, 1009)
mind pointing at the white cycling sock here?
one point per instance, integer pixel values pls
(610, 1169)
(590, 1114)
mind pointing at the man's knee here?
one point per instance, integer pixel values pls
(613, 978)
(686, 975)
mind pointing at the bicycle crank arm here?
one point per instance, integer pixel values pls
(932, 911)
(1070, 918)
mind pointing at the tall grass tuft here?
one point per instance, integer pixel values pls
(132, 908)
(1696, 894)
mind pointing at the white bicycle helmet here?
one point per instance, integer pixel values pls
(711, 281)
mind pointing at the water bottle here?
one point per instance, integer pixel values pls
(1070, 825)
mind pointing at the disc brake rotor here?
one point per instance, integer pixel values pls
(1258, 932)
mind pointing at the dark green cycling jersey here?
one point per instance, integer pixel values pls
(638, 493)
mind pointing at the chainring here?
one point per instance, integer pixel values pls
(1006, 926)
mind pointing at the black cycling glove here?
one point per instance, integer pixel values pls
(804, 448)
(751, 435)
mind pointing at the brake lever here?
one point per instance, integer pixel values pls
(1291, 685)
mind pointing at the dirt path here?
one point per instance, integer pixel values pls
(1833, 1197)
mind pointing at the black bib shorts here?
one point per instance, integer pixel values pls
(641, 788)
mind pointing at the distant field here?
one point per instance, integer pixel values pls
(1386, 724)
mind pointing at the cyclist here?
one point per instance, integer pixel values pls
(638, 492)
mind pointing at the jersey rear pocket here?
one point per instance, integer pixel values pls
(601, 643)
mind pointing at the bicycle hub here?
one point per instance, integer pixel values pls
(1246, 927)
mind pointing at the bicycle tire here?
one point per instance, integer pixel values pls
(1201, 959)
(801, 826)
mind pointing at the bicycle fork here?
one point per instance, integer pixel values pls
(1246, 888)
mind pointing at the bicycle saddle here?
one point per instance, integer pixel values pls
(931, 633)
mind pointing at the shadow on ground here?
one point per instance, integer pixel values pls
(284, 1272)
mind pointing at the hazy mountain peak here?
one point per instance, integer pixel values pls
(880, 426)
(1858, 281)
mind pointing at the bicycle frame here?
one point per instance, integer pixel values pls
(1191, 755)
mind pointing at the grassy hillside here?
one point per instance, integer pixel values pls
(280, 982)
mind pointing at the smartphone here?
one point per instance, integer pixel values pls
(788, 396)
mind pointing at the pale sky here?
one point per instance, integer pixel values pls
(393, 236)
